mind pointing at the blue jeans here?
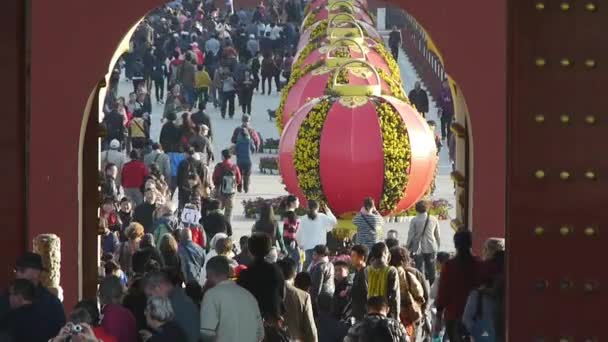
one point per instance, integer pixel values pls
(308, 259)
(294, 254)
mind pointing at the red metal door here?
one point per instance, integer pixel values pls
(557, 170)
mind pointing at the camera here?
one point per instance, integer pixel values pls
(76, 329)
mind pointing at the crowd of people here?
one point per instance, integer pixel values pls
(282, 283)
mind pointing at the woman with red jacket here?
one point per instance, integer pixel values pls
(133, 177)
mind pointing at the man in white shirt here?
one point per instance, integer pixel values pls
(229, 313)
(423, 241)
(114, 156)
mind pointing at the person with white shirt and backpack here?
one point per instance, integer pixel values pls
(227, 180)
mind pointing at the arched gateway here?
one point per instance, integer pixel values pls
(529, 80)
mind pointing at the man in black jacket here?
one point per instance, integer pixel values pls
(419, 99)
(214, 221)
(189, 166)
(394, 41)
(115, 128)
(144, 213)
(201, 118)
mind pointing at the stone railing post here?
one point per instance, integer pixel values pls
(49, 247)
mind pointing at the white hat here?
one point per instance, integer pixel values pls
(252, 36)
(114, 144)
(195, 44)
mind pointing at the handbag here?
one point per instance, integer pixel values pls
(411, 309)
(418, 249)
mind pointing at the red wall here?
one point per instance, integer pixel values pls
(74, 41)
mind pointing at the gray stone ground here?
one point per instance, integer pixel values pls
(269, 186)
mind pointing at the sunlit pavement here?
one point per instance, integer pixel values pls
(269, 186)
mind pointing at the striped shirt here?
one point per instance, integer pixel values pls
(368, 226)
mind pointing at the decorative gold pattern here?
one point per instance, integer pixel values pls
(566, 230)
(564, 118)
(540, 62)
(590, 231)
(353, 101)
(539, 118)
(540, 6)
(564, 175)
(590, 119)
(565, 62)
(590, 63)
(564, 6)
(590, 175)
(590, 6)
(539, 230)
(540, 174)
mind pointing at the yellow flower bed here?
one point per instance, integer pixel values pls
(304, 53)
(320, 30)
(397, 155)
(310, 20)
(295, 76)
(308, 149)
(396, 90)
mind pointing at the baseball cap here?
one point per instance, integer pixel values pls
(30, 260)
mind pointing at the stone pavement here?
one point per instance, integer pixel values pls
(269, 186)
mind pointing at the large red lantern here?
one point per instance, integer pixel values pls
(338, 27)
(341, 149)
(334, 8)
(315, 80)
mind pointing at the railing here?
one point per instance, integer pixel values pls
(427, 63)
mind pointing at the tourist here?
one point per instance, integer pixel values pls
(114, 156)
(438, 143)
(412, 293)
(446, 107)
(343, 283)
(244, 148)
(227, 180)
(255, 70)
(138, 131)
(298, 306)
(117, 320)
(170, 135)
(188, 168)
(160, 159)
(147, 251)
(192, 258)
(253, 46)
(246, 91)
(30, 317)
(303, 281)
(222, 246)
(125, 215)
(124, 254)
(228, 313)
(202, 84)
(115, 128)
(186, 77)
(358, 292)
(267, 224)
(377, 325)
(166, 223)
(268, 69)
(88, 312)
(246, 125)
(201, 144)
(481, 311)
(159, 73)
(244, 257)
(314, 227)
(291, 225)
(110, 187)
(158, 284)
(382, 279)
(322, 274)
(286, 66)
(394, 41)
(160, 318)
(109, 240)
(264, 280)
(330, 328)
(168, 251)
(458, 277)
(228, 92)
(133, 177)
(419, 99)
(215, 221)
(144, 212)
(368, 221)
(175, 101)
(200, 118)
(424, 240)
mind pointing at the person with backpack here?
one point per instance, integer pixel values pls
(138, 130)
(115, 129)
(424, 240)
(165, 224)
(382, 279)
(245, 120)
(412, 292)
(377, 325)
(160, 159)
(187, 169)
(227, 180)
(480, 313)
(244, 149)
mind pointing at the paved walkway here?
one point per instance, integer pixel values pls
(269, 186)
